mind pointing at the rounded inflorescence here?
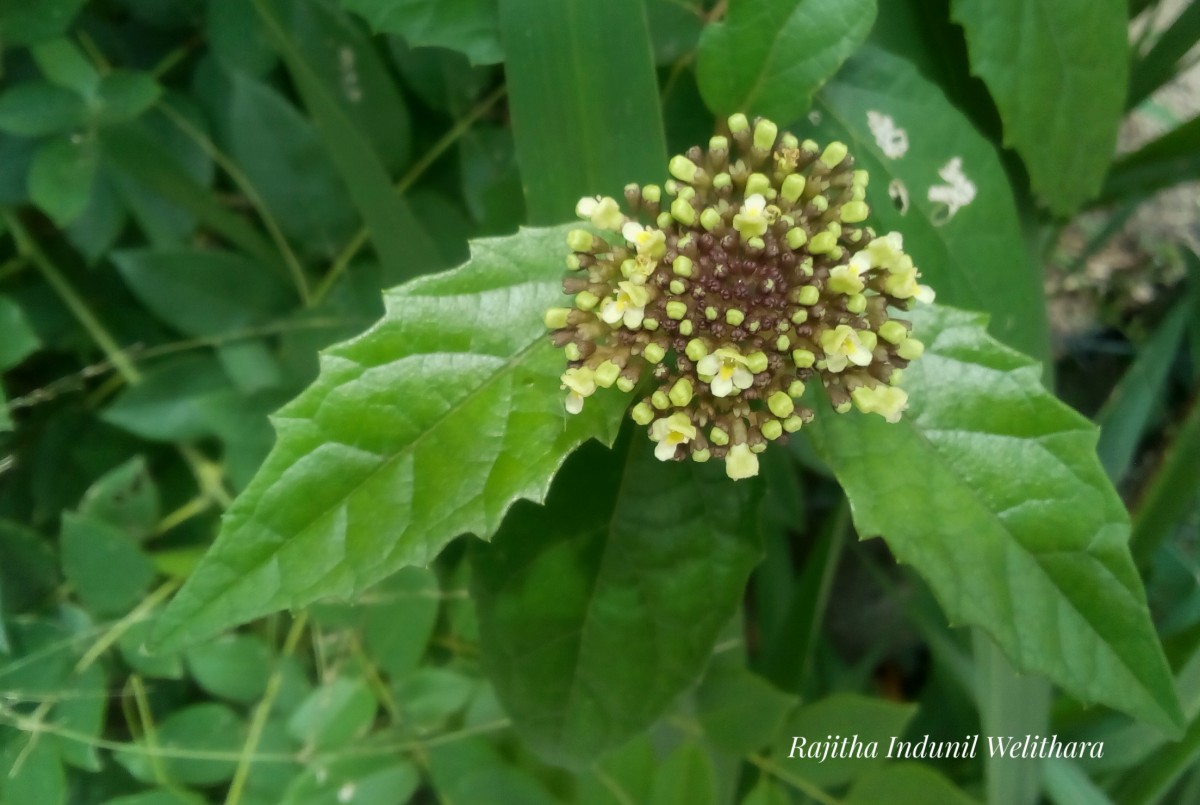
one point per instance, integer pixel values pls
(725, 291)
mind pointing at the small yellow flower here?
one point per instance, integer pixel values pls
(752, 221)
(887, 401)
(842, 347)
(602, 211)
(650, 243)
(726, 372)
(845, 278)
(903, 285)
(582, 383)
(886, 251)
(740, 462)
(671, 432)
(628, 307)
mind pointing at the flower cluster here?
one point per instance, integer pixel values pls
(745, 276)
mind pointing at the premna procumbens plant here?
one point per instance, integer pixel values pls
(566, 516)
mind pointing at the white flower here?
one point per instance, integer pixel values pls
(628, 307)
(845, 279)
(582, 383)
(740, 462)
(671, 432)
(602, 211)
(650, 243)
(752, 221)
(842, 346)
(726, 372)
(885, 252)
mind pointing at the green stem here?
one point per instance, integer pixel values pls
(28, 248)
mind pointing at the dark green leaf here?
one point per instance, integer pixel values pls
(629, 558)
(1068, 784)
(123, 95)
(906, 784)
(28, 567)
(1162, 63)
(97, 228)
(584, 100)
(1172, 158)
(334, 714)
(473, 771)
(17, 339)
(740, 711)
(399, 240)
(1172, 492)
(686, 777)
(469, 26)
(81, 712)
(1153, 777)
(35, 108)
(233, 667)
(769, 56)
(974, 255)
(237, 38)
(25, 23)
(39, 777)
(199, 729)
(429, 697)
(403, 443)
(841, 714)
(1057, 70)
(379, 780)
(168, 404)
(985, 450)
(400, 617)
(190, 289)
(125, 497)
(60, 178)
(158, 797)
(107, 569)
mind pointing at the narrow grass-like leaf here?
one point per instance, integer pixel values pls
(1152, 779)
(631, 559)
(990, 488)
(1127, 411)
(768, 57)
(1172, 492)
(1172, 158)
(1057, 70)
(401, 242)
(428, 426)
(584, 100)
(1162, 62)
(1067, 784)
(902, 129)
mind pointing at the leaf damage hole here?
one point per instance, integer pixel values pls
(891, 139)
(898, 192)
(957, 192)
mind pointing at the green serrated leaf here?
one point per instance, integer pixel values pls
(988, 470)
(1058, 71)
(17, 339)
(60, 178)
(428, 426)
(36, 108)
(768, 57)
(629, 558)
(584, 100)
(190, 289)
(901, 129)
(471, 27)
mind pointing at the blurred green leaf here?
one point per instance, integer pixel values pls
(158, 797)
(434, 387)
(491, 183)
(999, 458)
(17, 339)
(196, 729)
(1172, 158)
(334, 714)
(740, 711)
(190, 289)
(629, 557)
(1151, 780)
(768, 57)
(35, 109)
(104, 565)
(1171, 493)
(584, 101)
(906, 784)
(33, 772)
(82, 712)
(1127, 412)
(402, 245)
(1067, 784)
(234, 667)
(123, 95)
(28, 567)
(973, 255)
(429, 697)
(168, 405)
(1163, 61)
(400, 616)
(675, 27)
(686, 777)
(468, 26)
(25, 23)
(767, 792)
(100, 224)
(840, 714)
(125, 497)
(238, 39)
(1057, 70)
(362, 780)
(60, 178)
(340, 54)
(473, 771)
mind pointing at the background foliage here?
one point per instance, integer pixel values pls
(198, 196)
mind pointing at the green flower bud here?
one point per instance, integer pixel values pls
(738, 123)
(793, 424)
(910, 349)
(734, 316)
(677, 287)
(799, 317)
(718, 437)
(857, 303)
(833, 155)
(683, 169)
(809, 295)
(796, 389)
(822, 243)
(764, 135)
(676, 310)
(772, 429)
(793, 187)
(654, 353)
(586, 300)
(652, 193)
(781, 404)
(756, 362)
(685, 327)
(722, 180)
(681, 392)
(696, 349)
(660, 400)
(893, 332)
(854, 212)
(580, 240)
(683, 212)
(795, 238)
(682, 265)
(625, 384)
(718, 143)
(710, 219)
(701, 456)
(642, 414)
(556, 318)
(782, 343)
(803, 358)
(572, 352)
(758, 184)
